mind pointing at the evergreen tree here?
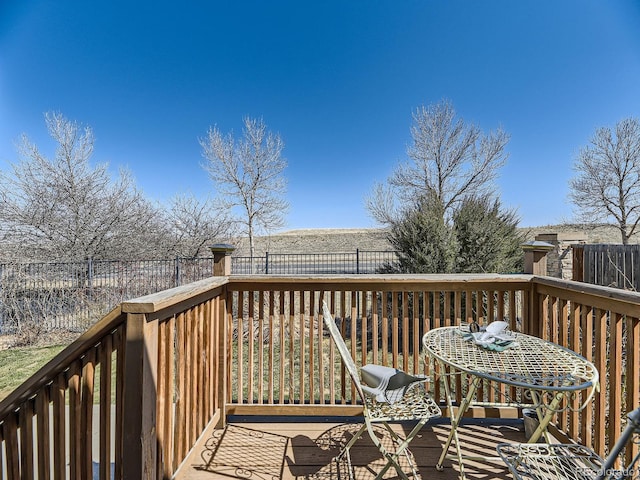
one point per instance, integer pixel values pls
(481, 238)
(487, 237)
(422, 239)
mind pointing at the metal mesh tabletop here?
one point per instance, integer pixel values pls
(534, 363)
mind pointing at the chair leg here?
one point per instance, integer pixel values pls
(405, 448)
(338, 461)
(401, 449)
(402, 444)
(391, 459)
(353, 440)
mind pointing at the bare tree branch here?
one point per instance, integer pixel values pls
(249, 175)
(63, 208)
(607, 182)
(449, 161)
(194, 225)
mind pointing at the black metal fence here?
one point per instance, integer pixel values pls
(358, 262)
(71, 296)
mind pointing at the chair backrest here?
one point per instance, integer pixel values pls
(345, 354)
(632, 428)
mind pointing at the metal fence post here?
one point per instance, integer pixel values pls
(177, 272)
(357, 260)
(266, 263)
(90, 277)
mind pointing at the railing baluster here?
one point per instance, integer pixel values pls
(600, 362)
(251, 300)
(395, 330)
(405, 331)
(586, 430)
(86, 415)
(302, 356)
(321, 350)
(240, 347)
(615, 371)
(632, 373)
(10, 434)
(311, 341)
(375, 321)
(43, 435)
(292, 343)
(332, 359)
(25, 416)
(282, 348)
(75, 429)
(105, 359)
(2, 454)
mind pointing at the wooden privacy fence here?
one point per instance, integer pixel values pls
(153, 374)
(608, 265)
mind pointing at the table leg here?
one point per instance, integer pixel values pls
(545, 419)
(455, 421)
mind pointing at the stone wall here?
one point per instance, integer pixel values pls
(560, 258)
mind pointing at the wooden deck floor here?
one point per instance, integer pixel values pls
(295, 450)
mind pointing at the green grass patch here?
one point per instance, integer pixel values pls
(18, 364)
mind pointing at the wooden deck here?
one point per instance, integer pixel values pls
(296, 450)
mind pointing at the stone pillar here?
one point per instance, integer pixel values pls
(222, 259)
(560, 259)
(535, 257)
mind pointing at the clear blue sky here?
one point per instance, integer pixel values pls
(338, 80)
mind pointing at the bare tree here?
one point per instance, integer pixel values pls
(64, 208)
(194, 224)
(607, 184)
(249, 175)
(450, 160)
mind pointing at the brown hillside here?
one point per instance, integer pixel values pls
(374, 239)
(319, 241)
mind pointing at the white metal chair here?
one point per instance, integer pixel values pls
(570, 461)
(399, 397)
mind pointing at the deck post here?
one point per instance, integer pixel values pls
(577, 272)
(535, 263)
(140, 448)
(223, 360)
(222, 259)
(535, 257)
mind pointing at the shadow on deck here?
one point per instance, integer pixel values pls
(300, 450)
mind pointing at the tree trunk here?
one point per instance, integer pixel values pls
(251, 248)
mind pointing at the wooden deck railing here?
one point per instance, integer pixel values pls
(283, 358)
(153, 374)
(47, 423)
(602, 324)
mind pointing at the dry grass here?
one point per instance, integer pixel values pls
(18, 364)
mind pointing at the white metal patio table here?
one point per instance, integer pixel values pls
(546, 373)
